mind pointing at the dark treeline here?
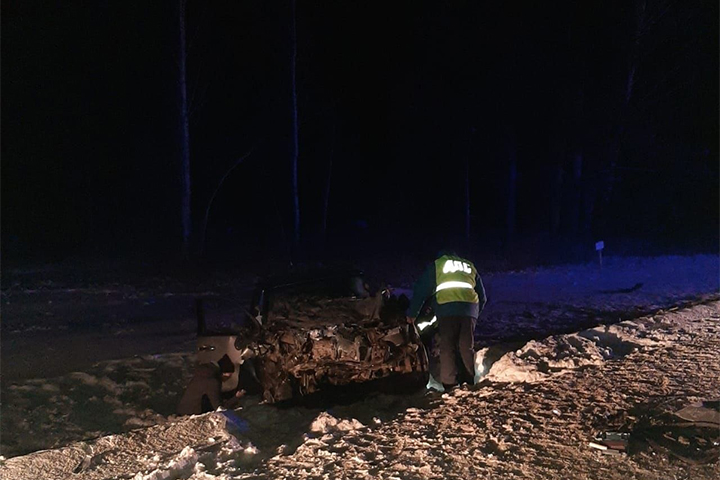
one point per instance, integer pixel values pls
(573, 122)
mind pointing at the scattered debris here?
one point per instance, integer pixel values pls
(611, 442)
(691, 434)
(597, 446)
(705, 413)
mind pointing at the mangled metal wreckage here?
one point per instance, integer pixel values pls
(318, 334)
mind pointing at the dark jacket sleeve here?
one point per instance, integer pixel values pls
(480, 289)
(423, 289)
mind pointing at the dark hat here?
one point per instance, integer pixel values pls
(226, 365)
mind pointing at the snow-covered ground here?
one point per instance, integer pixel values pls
(542, 399)
(533, 416)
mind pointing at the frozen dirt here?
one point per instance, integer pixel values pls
(567, 352)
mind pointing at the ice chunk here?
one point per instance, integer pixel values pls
(326, 423)
(479, 364)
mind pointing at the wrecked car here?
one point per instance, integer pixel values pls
(311, 333)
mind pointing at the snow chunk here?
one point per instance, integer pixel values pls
(480, 370)
(92, 380)
(251, 449)
(326, 423)
(182, 465)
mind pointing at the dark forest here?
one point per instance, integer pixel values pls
(508, 125)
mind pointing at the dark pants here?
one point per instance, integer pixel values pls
(456, 337)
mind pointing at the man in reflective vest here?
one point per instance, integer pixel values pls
(458, 297)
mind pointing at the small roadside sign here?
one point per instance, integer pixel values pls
(599, 247)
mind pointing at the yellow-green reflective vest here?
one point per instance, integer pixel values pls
(455, 280)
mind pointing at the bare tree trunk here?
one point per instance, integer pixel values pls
(589, 195)
(184, 133)
(326, 192)
(556, 199)
(576, 197)
(578, 186)
(616, 147)
(512, 195)
(203, 233)
(467, 198)
(296, 199)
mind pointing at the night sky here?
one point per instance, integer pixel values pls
(401, 98)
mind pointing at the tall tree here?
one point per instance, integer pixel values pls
(469, 151)
(510, 147)
(326, 192)
(294, 153)
(467, 198)
(648, 14)
(184, 130)
(511, 212)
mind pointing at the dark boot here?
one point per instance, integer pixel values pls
(449, 386)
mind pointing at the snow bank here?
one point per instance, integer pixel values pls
(536, 360)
